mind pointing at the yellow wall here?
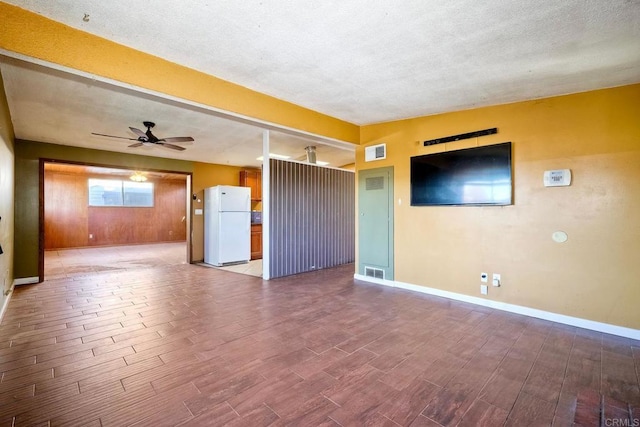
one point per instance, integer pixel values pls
(594, 275)
(7, 177)
(207, 175)
(33, 35)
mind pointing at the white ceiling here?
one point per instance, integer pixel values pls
(57, 107)
(363, 61)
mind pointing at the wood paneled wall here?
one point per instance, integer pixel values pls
(69, 220)
(65, 211)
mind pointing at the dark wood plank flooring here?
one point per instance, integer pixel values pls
(184, 345)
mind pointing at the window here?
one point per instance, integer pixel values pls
(137, 193)
(111, 192)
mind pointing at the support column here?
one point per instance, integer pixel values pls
(266, 254)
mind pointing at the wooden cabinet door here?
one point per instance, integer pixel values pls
(252, 178)
(256, 241)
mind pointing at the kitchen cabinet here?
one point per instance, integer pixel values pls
(256, 241)
(252, 178)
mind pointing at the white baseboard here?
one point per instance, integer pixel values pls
(512, 308)
(26, 281)
(5, 305)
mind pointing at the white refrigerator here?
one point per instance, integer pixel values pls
(227, 225)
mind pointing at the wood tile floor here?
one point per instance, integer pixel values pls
(184, 345)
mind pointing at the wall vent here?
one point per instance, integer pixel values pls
(375, 152)
(376, 273)
(374, 183)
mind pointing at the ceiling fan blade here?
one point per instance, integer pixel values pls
(177, 139)
(173, 147)
(138, 132)
(137, 144)
(112, 136)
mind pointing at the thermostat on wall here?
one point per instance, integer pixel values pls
(557, 178)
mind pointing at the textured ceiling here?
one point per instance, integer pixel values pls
(367, 61)
(363, 61)
(57, 107)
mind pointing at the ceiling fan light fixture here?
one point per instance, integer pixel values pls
(147, 139)
(138, 177)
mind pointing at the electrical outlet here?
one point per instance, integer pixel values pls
(484, 277)
(484, 289)
(496, 279)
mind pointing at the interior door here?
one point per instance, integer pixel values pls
(375, 223)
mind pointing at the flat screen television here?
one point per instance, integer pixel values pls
(474, 176)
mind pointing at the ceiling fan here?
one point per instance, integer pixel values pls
(148, 139)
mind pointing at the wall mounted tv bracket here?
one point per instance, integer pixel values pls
(461, 136)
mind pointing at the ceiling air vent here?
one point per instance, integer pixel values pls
(375, 152)
(376, 273)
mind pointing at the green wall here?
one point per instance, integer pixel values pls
(7, 177)
(27, 178)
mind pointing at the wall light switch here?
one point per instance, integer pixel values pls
(496, 279)
(484, 289)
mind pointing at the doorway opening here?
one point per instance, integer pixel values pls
(99, 219)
